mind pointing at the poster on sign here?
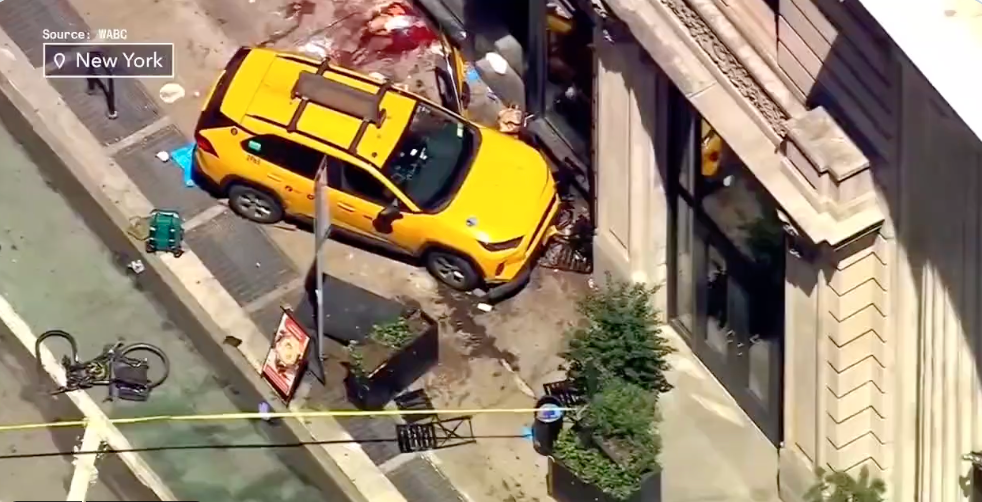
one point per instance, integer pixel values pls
(287, 357)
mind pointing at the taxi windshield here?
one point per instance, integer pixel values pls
(431, 159)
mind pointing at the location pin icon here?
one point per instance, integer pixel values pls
(59, 60)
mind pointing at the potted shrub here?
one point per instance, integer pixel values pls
(393, 356)
(617, 359)
(835, 486)
(610, 454)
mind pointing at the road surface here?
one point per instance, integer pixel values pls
(24, 476)
(57, 273)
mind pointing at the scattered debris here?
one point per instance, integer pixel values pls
(136, 266)
(511, 120)
(572, 249)
(264, 411)
(139, 228)
(527, 433)
(472, 75)
(171, 92)
(163, 156)
(484, 307)
(318, 47)
(437, 49)
(183, 157)
(391, 31)
(498, 63)
(232, 341)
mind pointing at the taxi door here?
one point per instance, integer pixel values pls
(451, 79)
(287, 168)
(362, 203)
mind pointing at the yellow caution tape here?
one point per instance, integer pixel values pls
(267, 416)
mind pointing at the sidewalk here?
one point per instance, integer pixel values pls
(238, 277)
(57, 273)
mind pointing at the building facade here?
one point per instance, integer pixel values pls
(808, 200)
(864, 350)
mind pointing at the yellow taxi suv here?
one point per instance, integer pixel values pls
(404, 173)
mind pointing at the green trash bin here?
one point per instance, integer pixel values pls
(166, 232)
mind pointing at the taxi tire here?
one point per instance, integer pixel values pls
(238, 193)
(437, 262)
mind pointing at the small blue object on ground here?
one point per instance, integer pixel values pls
(184, 157)
(527, 433)
(265, 408)
(473, 75)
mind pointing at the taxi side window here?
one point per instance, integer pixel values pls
(284, 153)
(358, 182)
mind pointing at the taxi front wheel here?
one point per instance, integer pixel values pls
(452, 269)
(255, 205)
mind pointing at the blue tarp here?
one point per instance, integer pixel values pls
(184, 157)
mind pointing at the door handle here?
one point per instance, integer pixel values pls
(346, 207)
(274, 177)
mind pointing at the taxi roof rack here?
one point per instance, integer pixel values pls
(315, 88)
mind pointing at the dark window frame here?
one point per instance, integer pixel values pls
(289, 161)
(338, 178)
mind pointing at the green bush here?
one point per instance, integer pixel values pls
(622, 416)
(626, 414)
(620, 338)
(834, 486)
(396, 334)
(618, 360)
(356, 360)
(593, 467)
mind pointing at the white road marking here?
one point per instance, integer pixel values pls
(276, 294)
(204, 217)
(97, 419)
(395, 462)
(139, 136)
(85, 470)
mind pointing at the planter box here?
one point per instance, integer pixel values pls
(387, 371)
(565, 486)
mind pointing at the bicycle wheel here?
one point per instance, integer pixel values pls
(156, 351)
(56, 333)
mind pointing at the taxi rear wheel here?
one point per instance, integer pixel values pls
(254, 204)
(453, 270)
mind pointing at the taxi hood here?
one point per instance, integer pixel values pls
(507, 190)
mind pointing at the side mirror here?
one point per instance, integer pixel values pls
(390, 212)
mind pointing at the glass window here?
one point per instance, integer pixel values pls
(284, 153)
(431, 160)
(569, 70)
(356, 181)
(738, 205)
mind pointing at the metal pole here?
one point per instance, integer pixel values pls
(322, 227)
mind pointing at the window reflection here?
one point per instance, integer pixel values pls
(729, 272)
(738, 205)
(569, 68)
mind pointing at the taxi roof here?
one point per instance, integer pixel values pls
(276, 101)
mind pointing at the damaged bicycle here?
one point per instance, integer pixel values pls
(127, 376)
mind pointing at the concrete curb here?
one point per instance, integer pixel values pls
(198, 290)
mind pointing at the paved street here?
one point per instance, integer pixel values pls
(24, 475)
(57, 273)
